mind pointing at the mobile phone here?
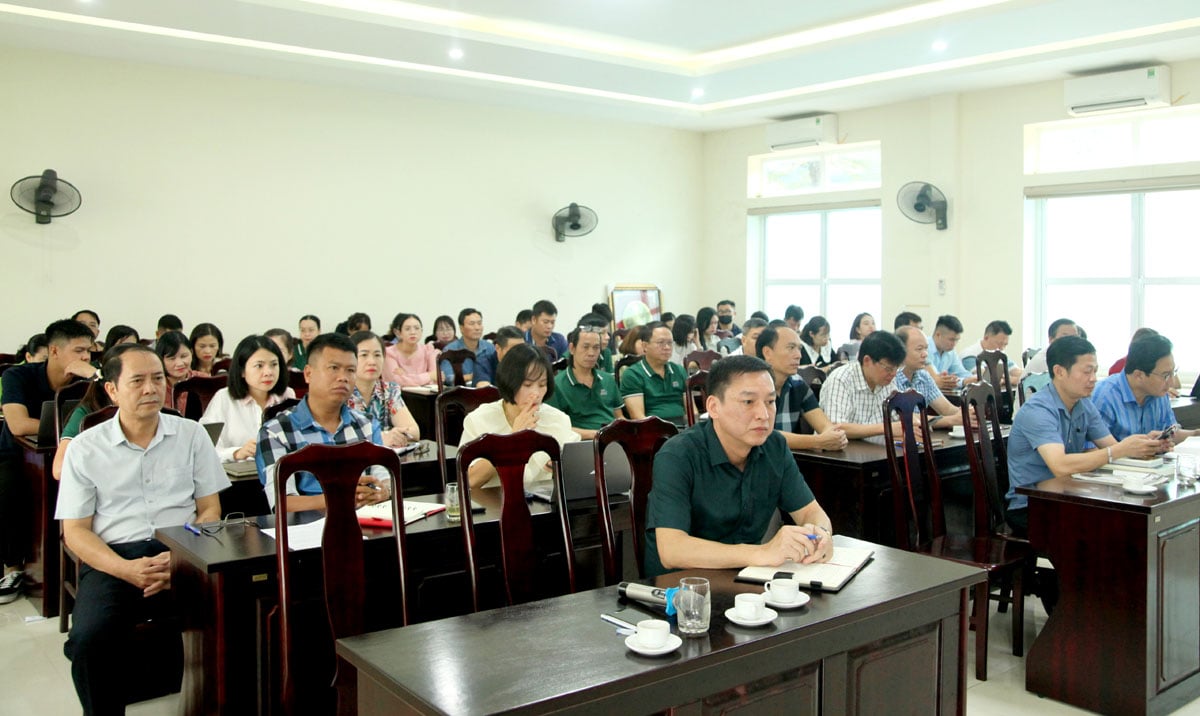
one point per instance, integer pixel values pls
(1166, 434)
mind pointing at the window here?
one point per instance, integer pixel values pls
(1166, 136)
(1114, 262)
(825, 168)
(828, 262)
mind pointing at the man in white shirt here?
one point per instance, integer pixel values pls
(995, 338)
(1059, 329)
(853, 395)
(746, 340)
(121, 481)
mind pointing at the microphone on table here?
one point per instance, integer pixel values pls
(653, 596)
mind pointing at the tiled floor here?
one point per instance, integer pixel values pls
(35, 677)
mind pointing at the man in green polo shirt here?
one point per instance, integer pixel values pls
(655, 385)
(717, 484)
(588, 395)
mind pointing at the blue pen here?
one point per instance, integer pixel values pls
(191, 528)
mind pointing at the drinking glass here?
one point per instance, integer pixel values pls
(453, 509)
(1185, 468)
(693, 605)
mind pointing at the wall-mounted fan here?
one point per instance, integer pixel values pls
(45, 196)
(574, 220)
(923, 202)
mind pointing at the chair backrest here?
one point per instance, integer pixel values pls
(697, 395)
(702, 359)
(725, 346)
(222, 365)
(1027, 354)
(272, 410)
(456, 358)
(199, 390)
(10, 358)
(70, 392)
(624, 363)
(559, 365)
(985, 450)
(450, 408)
(337, 468)
(520, 565)
(297, 382)
(992, 366)
(641, 440)
(815, 377)
(1032, 383)
(91, 420)
(916, 489)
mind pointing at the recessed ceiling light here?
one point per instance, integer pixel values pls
(939, 45)
(697, 92)
(456, 53)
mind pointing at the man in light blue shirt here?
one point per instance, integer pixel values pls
(1136, 400)
(478, 372)
(913, 375)
(944, 363)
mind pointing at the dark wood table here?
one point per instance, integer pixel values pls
(1187, 411)
(44, 569)
(895, 635)
(1125, 636)
(420, 403)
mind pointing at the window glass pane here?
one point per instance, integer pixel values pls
(778, 298)
(1088, 236)
(846, 302)
(1165, 140)
(1170, 242)
(1075, 147)
(793, 246)
(1162, 311)
(1102, 311)
(855, 243)
(792, 175)
(852, 169)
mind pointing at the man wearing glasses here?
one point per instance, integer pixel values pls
(655, 385)
(853, 395)
(121, 480)
(1136, 401)
(588, 395)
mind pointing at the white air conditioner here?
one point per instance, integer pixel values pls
(806, 132)
(1117, 91)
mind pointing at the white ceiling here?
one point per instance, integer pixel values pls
(636, 60)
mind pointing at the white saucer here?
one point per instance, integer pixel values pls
(768, 616)
(1148, 490)
(801, 599)
(673, 643)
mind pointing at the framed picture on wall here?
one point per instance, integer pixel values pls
(635, 304)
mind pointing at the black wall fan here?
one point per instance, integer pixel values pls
(574, 220)
(924, 203)
(45, 196)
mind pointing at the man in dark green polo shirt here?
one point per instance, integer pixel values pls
(655, 385)
(588, 395)
(717, 485)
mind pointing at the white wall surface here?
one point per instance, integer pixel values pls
(248, 202)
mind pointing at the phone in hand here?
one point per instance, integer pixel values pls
(1169, 432)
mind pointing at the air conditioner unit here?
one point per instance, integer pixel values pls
(805, 132)
(1118, 91)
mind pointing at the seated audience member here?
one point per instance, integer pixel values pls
(634, 342)
(1175, 386)
(310, 328)
(119, 334)
(654, 385)
(1137, 400)
(853, 395)
(443, 332)
(408, 361)
(944, 363)
(995, 338)
(506, 338)
(525, 380)
(602, 310)
(814, 344)
(96, 398)
(541, 332)
(777, 323)
(321, 418)
(379, 399)
(908, 318)
(284, 340)
(668, 319)
(913, 375)
(863, 326)
(727, 317)
(524, 320)
(26, 387)
(602, 326)
(762, 315)
(357, 322)
(718, 485)
(207, 345)
(780, 348)
(683, 338)
(748, 337)
(588, 395)
(479, 370)
(166, 323)
(175, 350)
(35, 350)
(258, 379)
(706, 329)
(91, 319)
(793, 316)
(1060, 328)
(1051, 431)
(109, 518)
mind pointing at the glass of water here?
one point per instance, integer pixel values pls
(693, 605)
(453, 509)
(1185, 470)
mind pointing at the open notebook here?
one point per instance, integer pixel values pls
(828, 576)
(380, 515)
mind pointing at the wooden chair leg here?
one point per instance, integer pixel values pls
(980, 618)
(1018, 617)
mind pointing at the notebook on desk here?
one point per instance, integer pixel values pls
(579, 473)
(828, 576)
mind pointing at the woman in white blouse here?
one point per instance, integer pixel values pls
(814, 342)
(524, 379)
(257, 380)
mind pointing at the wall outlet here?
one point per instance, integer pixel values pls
(941, 287)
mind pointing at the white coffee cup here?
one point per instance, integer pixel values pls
(1134, 482)
(957, 432)
(749, 607)
(784, 591)
(652, 633)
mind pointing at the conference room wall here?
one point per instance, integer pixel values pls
(248, 201)
(971, 145)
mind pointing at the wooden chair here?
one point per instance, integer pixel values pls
(1031, 383)
(629, 360)
(450, 408)
(199, 390)
(70, 393)
(491, 337)
(695, 396)
(920, 523)
(297, 382)
(456, 359)
(522, 569)
(11, 358)
(815, 377)
(1027, 354)
(559, 365)
(272, 410)
(702, 359)
(641, 440)
(222, 365)
(992, 366)
(309, 673)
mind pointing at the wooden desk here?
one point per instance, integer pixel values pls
(1125, 636)
(1187, 412)
(894, 635)
(43, 570)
